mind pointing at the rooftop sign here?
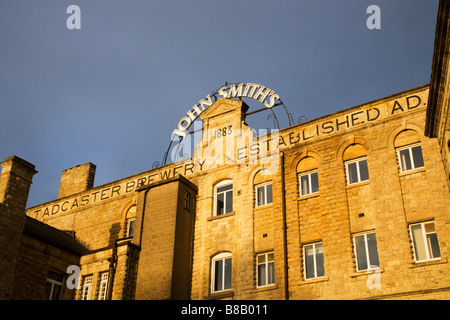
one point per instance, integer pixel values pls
(240, 90)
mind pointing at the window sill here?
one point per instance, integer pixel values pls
(315, 280)
(221, 216)
(357, 184)
(266, 206)
(265, 288)
(428, 263)
(308, 196)
(366, 272)
(219, 295)
(412, 171)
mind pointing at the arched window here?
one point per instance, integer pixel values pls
(409, 150)
(129, 221)
(355, 159)
(223, 197)
(308, 176)
(221, 272)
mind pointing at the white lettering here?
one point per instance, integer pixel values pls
(74, 21)
(374, 21)
(73, 281)
(197, 111)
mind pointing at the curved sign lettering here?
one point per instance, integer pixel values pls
(240, 90)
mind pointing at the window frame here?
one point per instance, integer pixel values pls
(221, 257)
(187, 200)
(370, 266)
(313, 244)
(424, 239)
(308, 174)
(358, 170)
(268, 264)
(263, 185)
(55, 283)
(219, 185)
(409, 147)
(87, 285)
(131, 222)
(103, 285)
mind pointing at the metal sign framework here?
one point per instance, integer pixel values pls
(272, 116)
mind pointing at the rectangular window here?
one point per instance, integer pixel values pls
(309, 183)
(357, 171)
(86, 290)
(265, 269)
(313, 260)
(366, 251)
(425, 242)
(55, 284)
(103, 286)
(263, 194)
(187, 201)
(224, 199)
(410, 157)
(221, 270)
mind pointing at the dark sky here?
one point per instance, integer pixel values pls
(112, 92)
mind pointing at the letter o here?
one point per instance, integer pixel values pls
(180, 124)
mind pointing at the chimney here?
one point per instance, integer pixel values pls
(15, 181)
(77, 179)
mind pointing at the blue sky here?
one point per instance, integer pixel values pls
(112, 92)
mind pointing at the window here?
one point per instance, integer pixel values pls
(410, 157)
(130, 218)
(357, 170)
(309, 183)
(425, 241)
(223, 196)
(313, 260)
(86, 290)
(102, 291)
(130, 227)
(265, 269)
(55, 285)
(221, 272)
(263, 194)
(366, 251)
(187, 201)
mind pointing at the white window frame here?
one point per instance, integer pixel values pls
(103, 287)
(358, 170)
(409, 148)
(267, 264)
(87, 287)
(366, 247)
(424, 241)
(55, 283)
(221, 257)
(130, 222)
(265, 202)
(367, 256)
(308, 174)
(220, 185)
(314, 261)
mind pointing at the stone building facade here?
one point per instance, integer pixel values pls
(353, 205)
